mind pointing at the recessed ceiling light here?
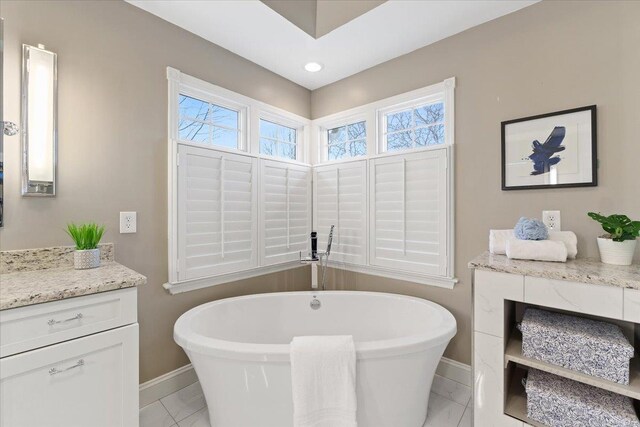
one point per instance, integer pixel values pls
(313, 67)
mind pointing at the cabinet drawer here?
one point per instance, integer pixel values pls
(90, 381)
(26, 328)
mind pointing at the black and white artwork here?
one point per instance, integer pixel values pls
(550, 150)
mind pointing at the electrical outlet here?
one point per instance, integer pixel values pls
(128, 222)
(552, 220)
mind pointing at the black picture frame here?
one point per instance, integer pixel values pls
(594, 150)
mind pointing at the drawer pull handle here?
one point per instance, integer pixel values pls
(52, 322)
(54, 371)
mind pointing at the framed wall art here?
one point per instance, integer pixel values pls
(551, 150)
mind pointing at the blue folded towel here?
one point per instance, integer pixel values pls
(531, 229)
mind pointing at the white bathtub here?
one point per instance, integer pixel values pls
(239, 348)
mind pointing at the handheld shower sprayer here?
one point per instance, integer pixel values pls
(318, 257)
(329, 241)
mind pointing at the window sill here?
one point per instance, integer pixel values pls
(205, 282)
(423, 279)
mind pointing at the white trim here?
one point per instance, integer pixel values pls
(166, 384)
(180, 378)
(178, 287)
(407, 276)
(455, 371)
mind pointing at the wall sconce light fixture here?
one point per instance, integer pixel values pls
(39, 121)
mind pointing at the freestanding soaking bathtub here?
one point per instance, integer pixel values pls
(239, 348)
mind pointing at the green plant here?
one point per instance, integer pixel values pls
(85, 236)
(619, 227)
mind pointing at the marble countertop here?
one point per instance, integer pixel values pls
(23, 288)
(590, 271)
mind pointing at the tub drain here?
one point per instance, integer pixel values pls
(315, 304)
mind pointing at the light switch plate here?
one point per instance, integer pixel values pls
(128, 222)
(552, 220)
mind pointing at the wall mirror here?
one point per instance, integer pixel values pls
(2, 131)
(39, 121)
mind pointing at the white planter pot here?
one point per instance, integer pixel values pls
(89, 258)
(616, 253)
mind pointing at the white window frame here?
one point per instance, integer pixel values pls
(323, 136)
(373, 113)
(251, 111)
(410, 105)
(279, 118)
(241, 109)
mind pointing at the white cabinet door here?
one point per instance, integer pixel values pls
(90, 381)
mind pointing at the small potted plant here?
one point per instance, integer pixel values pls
(86, 237)
(617, 247)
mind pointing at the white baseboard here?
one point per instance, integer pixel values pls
(455, 371)
(173, 381)
(166, 384)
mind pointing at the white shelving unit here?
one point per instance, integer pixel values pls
(498, 364)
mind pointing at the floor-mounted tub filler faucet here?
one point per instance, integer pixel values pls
(316, 257)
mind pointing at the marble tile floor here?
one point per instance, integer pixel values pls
(449, 406)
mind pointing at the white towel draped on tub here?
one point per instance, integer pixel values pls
(323, 376)
(498, 241)
(537, 250)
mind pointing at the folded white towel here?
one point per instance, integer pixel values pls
(498, 241)
(537, 250)
(323, 377)
(570, 240)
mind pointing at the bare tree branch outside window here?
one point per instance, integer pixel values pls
(418, 127)
(278, 140)
(347, 141)
(201, 121)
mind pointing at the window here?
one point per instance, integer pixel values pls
(277, 140)
(208, 123)
(340, 199)
(415, 127)
(404, 195)
(233, 214)
(242, 203)
(409, 211)
(217, 212)
(286, 210)
(347, 141)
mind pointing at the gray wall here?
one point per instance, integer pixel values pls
(551, 56)
(113, 108)
(112, 60)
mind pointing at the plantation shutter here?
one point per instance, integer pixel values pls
(286, 211)
(340, 199)
(217, 214)
(409, 212)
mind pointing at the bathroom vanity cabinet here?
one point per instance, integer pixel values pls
(503, 288)
(73, 361)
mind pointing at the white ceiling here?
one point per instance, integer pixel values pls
(254, 31)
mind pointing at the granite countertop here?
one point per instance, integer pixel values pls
(590, 271)
(34, 276)
(38, 286)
